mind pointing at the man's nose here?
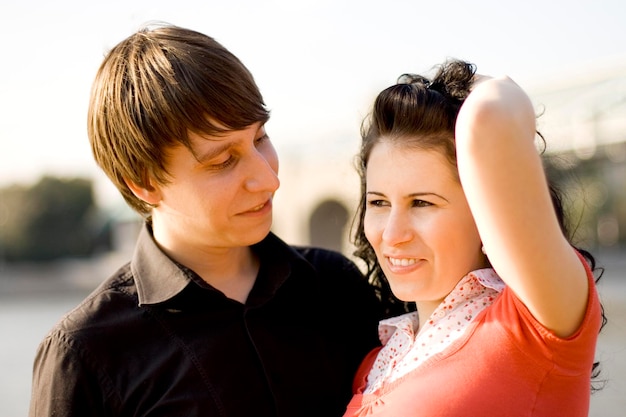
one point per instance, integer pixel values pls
(262, 175)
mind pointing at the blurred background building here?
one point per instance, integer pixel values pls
(582, 120)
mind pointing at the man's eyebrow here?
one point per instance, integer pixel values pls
(212, 152)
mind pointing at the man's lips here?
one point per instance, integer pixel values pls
(257, 208)
(260, 208)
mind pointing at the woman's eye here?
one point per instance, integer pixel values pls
(421, 203)
(377, 203)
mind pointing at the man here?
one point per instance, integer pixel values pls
(214, 315)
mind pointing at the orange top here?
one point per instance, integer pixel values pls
(505, 364)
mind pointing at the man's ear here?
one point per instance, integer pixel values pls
(150, 193)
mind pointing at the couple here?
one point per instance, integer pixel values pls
(216, 316)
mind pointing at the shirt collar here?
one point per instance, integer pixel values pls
(409, 322)
(488, 278)
(159, 278)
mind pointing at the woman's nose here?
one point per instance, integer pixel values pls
(397, 229)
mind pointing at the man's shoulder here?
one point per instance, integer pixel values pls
(321, 259)
(107, 305)
(346, 291)
(324, 258)
(316, 256)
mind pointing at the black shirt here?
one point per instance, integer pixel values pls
(156, 340)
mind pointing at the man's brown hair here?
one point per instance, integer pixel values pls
(152, 89)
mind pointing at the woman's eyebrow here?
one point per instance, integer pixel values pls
(427, 193)
(412, 195)
(375, 193)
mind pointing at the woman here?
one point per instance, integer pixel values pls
(457, 217)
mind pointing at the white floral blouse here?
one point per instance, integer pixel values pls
(404, 350)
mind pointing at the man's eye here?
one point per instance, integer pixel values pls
(222, 165)
(261, 139)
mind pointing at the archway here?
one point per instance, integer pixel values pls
(327, 225)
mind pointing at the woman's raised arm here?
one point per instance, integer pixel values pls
(504, 181)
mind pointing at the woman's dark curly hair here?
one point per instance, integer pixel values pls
(421, 112)
(415, 107)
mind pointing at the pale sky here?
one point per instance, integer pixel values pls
(318, 63)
